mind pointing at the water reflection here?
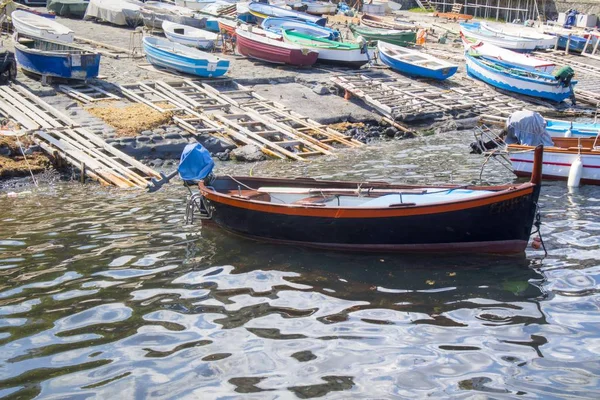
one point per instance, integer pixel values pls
(105, 293)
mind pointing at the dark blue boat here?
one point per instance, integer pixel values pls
(55, 59)
(576, 44)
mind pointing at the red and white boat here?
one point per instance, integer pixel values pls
(265, 46)
(228, 26)
(560, 159)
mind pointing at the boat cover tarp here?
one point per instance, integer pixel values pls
(67, 8)
(112, 10)
(195, 163)
(527, 128)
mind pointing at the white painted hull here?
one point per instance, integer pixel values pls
(192, 37)
(345, 56)
(32, 25)
(500, 41)
(558, 165)
(193, 4)
(320, 8)
(543, 41)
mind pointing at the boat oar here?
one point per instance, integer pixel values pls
(156, 184)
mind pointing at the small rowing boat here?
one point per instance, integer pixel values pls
(276, 25)
(228, 26)
(262, 11)
(475, 31)
(36, 26)
(576, 43)
(117, 12)
(174, 56)
(319, 7)
(346, 53)
(414, 63)
(256, 43)
(543, 40)
(68, 8)
(189, 36)
(154, 13)
(558, 128)
(520, 60)
(374, 21)
(397, 37)
(513, 79)
(55, 59)
(369, 216)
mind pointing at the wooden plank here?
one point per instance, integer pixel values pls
(31, 112)
(47, 107)
(10, 112)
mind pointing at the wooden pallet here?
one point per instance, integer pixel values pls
(30, 111)
(93, 157)
(87, 93)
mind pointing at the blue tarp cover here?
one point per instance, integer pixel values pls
(527, 128)
(195, 163)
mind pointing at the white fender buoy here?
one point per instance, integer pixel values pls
(568, 133)
(575, 173)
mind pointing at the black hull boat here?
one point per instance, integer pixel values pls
(376, 216)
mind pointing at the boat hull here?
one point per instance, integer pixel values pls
(400, 38)
(511, 43)
(190, 37)
(576, 44)
(557, 128)
(439, 227)
(320, 8)
(276, 25)
(155, 20)
(557, 164)
(415, 70)
(80, 66)
(183, 63)
(550, 91)
(227, 27)
(275, 54)
(262, 11)
(36, 26)
(68, 9)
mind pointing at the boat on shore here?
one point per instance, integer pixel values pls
(228, 26)
(154, 13)
(513, 79)
(256, 43)
(174, 56)
(189, 36)
(453, 16)
(346, 53)
(116, 12)
(374, 21)
(319, 7)
(521, 60)
(277, 25)
(397, 37)
(414, 63)
(543, 40)
(262, 11)
(55, 59)
(372, 216)
(36, 26)
(559, 128)
(475, 31)
(576, 43)
(68, 8)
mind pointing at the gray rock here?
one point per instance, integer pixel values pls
(127, 140)
(148, 133)
(248, 153)
(157, 163)
(173, 136)
(223, 156)
(142, 139)
(71, 105)
(158, 131)
(5, 151)
(73, 113)
(320, 90)
(171, 129)
(33, 149)
(390, 132)
(214, 145)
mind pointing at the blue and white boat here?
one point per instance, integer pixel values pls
(174, 56)
(474, 30)
(277, 25)
(559, 128)
(414, 63)
(190, 36)
(54, 59)
(517, 80)
(262, 11)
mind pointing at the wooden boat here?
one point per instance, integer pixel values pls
(474, 31)
(453, 16)
(276, 25)
(414, 63)
(347, 53)
(544, 41)
(558, 128)
(36, 26)
(397, 37)
(166, 54)
(189, 36)
(319, 7)
(56, 59)
(520, 60)
(262, 11)
(376, 216)
(116, 12)
(68, 8)
(228, 26)
(576, 43)
(374, 21)
(194, 4)
(154, 13)
(256, 43)
(559, 159)
(517, 80)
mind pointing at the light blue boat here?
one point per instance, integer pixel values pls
(175, 56)
(558, 128)
(277, 25)
(262, 11)
(509, 77)
(414, 63)
(60, 60)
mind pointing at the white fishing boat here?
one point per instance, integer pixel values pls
(36, 26)
(194, 4)
(116, 12)
(544, 41)
(475, 31)
(522, 60)
(319, 7)
(155, 12)
(189, 36)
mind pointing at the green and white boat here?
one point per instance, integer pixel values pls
(346, 53)
(393, 36)
(68, 8)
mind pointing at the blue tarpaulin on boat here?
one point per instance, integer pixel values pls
(527, 128)
(195, 163)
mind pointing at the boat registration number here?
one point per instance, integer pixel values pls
(211, 67)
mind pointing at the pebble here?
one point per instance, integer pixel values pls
(173, 136)
(158, 131)
(320, 90)
(147, 133)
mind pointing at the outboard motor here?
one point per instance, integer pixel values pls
(564, 75)
(195, 164)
